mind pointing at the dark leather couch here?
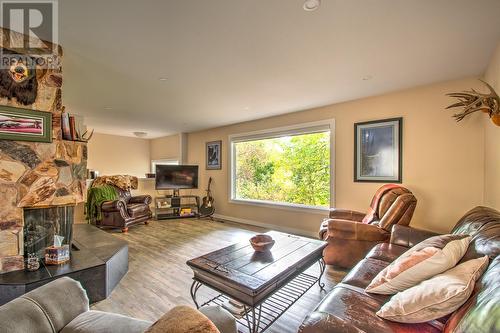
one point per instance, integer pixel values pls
(349, 309)
(350, 238)
(125, 211)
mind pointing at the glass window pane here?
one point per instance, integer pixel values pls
(292, 169)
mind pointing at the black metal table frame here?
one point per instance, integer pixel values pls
(296, 285)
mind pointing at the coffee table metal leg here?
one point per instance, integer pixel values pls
(258, 319)
(322, 267)
(254, 322)
(247, 318)
(194, 288)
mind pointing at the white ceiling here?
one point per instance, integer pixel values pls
(229, 61)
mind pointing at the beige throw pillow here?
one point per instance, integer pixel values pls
(436, 297)
(426, 259)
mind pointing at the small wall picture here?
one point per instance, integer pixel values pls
(25, 125)
(214, 153)
(378, 151)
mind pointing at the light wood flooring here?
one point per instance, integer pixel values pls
(159, 279)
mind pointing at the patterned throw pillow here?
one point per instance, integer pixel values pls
(436, 297)
(183, 319)
(426, 259)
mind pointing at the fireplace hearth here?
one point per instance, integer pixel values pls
(98, 261)
(42, 224)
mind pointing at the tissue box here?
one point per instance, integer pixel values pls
(57, 255)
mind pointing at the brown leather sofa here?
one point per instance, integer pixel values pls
(125, 211)
(350, 234)
(349, 309)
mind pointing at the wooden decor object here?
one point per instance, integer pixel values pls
(262, 243)
(472, 101)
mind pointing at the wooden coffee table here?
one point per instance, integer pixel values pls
(266, 283)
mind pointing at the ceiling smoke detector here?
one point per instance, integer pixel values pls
(140, 134)
(311, 5)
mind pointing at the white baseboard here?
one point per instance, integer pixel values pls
(294, 231)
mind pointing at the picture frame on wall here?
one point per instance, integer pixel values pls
(378, 151)
(214, 154)
(25, 125)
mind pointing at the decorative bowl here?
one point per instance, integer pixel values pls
(262, 243)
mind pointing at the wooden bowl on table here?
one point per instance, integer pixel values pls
(262, 243)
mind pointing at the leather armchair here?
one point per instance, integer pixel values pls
(125, 211)
(350, 234)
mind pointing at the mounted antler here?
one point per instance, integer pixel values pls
(473, 101)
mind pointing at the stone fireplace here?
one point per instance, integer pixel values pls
(42, 224)
(38, 174)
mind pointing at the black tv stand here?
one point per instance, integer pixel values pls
(175, 206)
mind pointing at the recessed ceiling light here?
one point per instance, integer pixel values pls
(163, 79)
(367, 77)
(108, 108)
(140, 134)
(311, 5)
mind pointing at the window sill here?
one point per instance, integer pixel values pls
(281, 205)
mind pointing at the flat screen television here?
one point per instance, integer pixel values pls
(174, 177)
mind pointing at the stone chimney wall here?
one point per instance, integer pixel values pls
(35, 174)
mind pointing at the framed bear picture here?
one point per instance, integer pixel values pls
(25, 125)
(378, 149)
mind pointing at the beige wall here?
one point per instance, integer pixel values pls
(443, 161)
(111, 155)
(492, 141)
(167, 147)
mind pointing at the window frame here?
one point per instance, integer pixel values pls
(163, 161)
(304, 128)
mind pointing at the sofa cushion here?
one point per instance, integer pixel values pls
(483, 225)
(426, 259)
(436, 297)
(386, 252)
(97, 322)
(350, 309)
(364, 272)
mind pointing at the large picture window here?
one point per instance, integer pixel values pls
(287, 166)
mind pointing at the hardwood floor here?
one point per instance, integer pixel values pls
(159, 279)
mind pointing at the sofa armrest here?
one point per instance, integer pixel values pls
(345, 214)
(349, 230)
(409, 237)
(142, 199)
(322, 322)
(61, 301)
(222, 319)
(113, 206)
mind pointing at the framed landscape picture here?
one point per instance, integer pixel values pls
(378, 151)
(25, 125)
(214, 153)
